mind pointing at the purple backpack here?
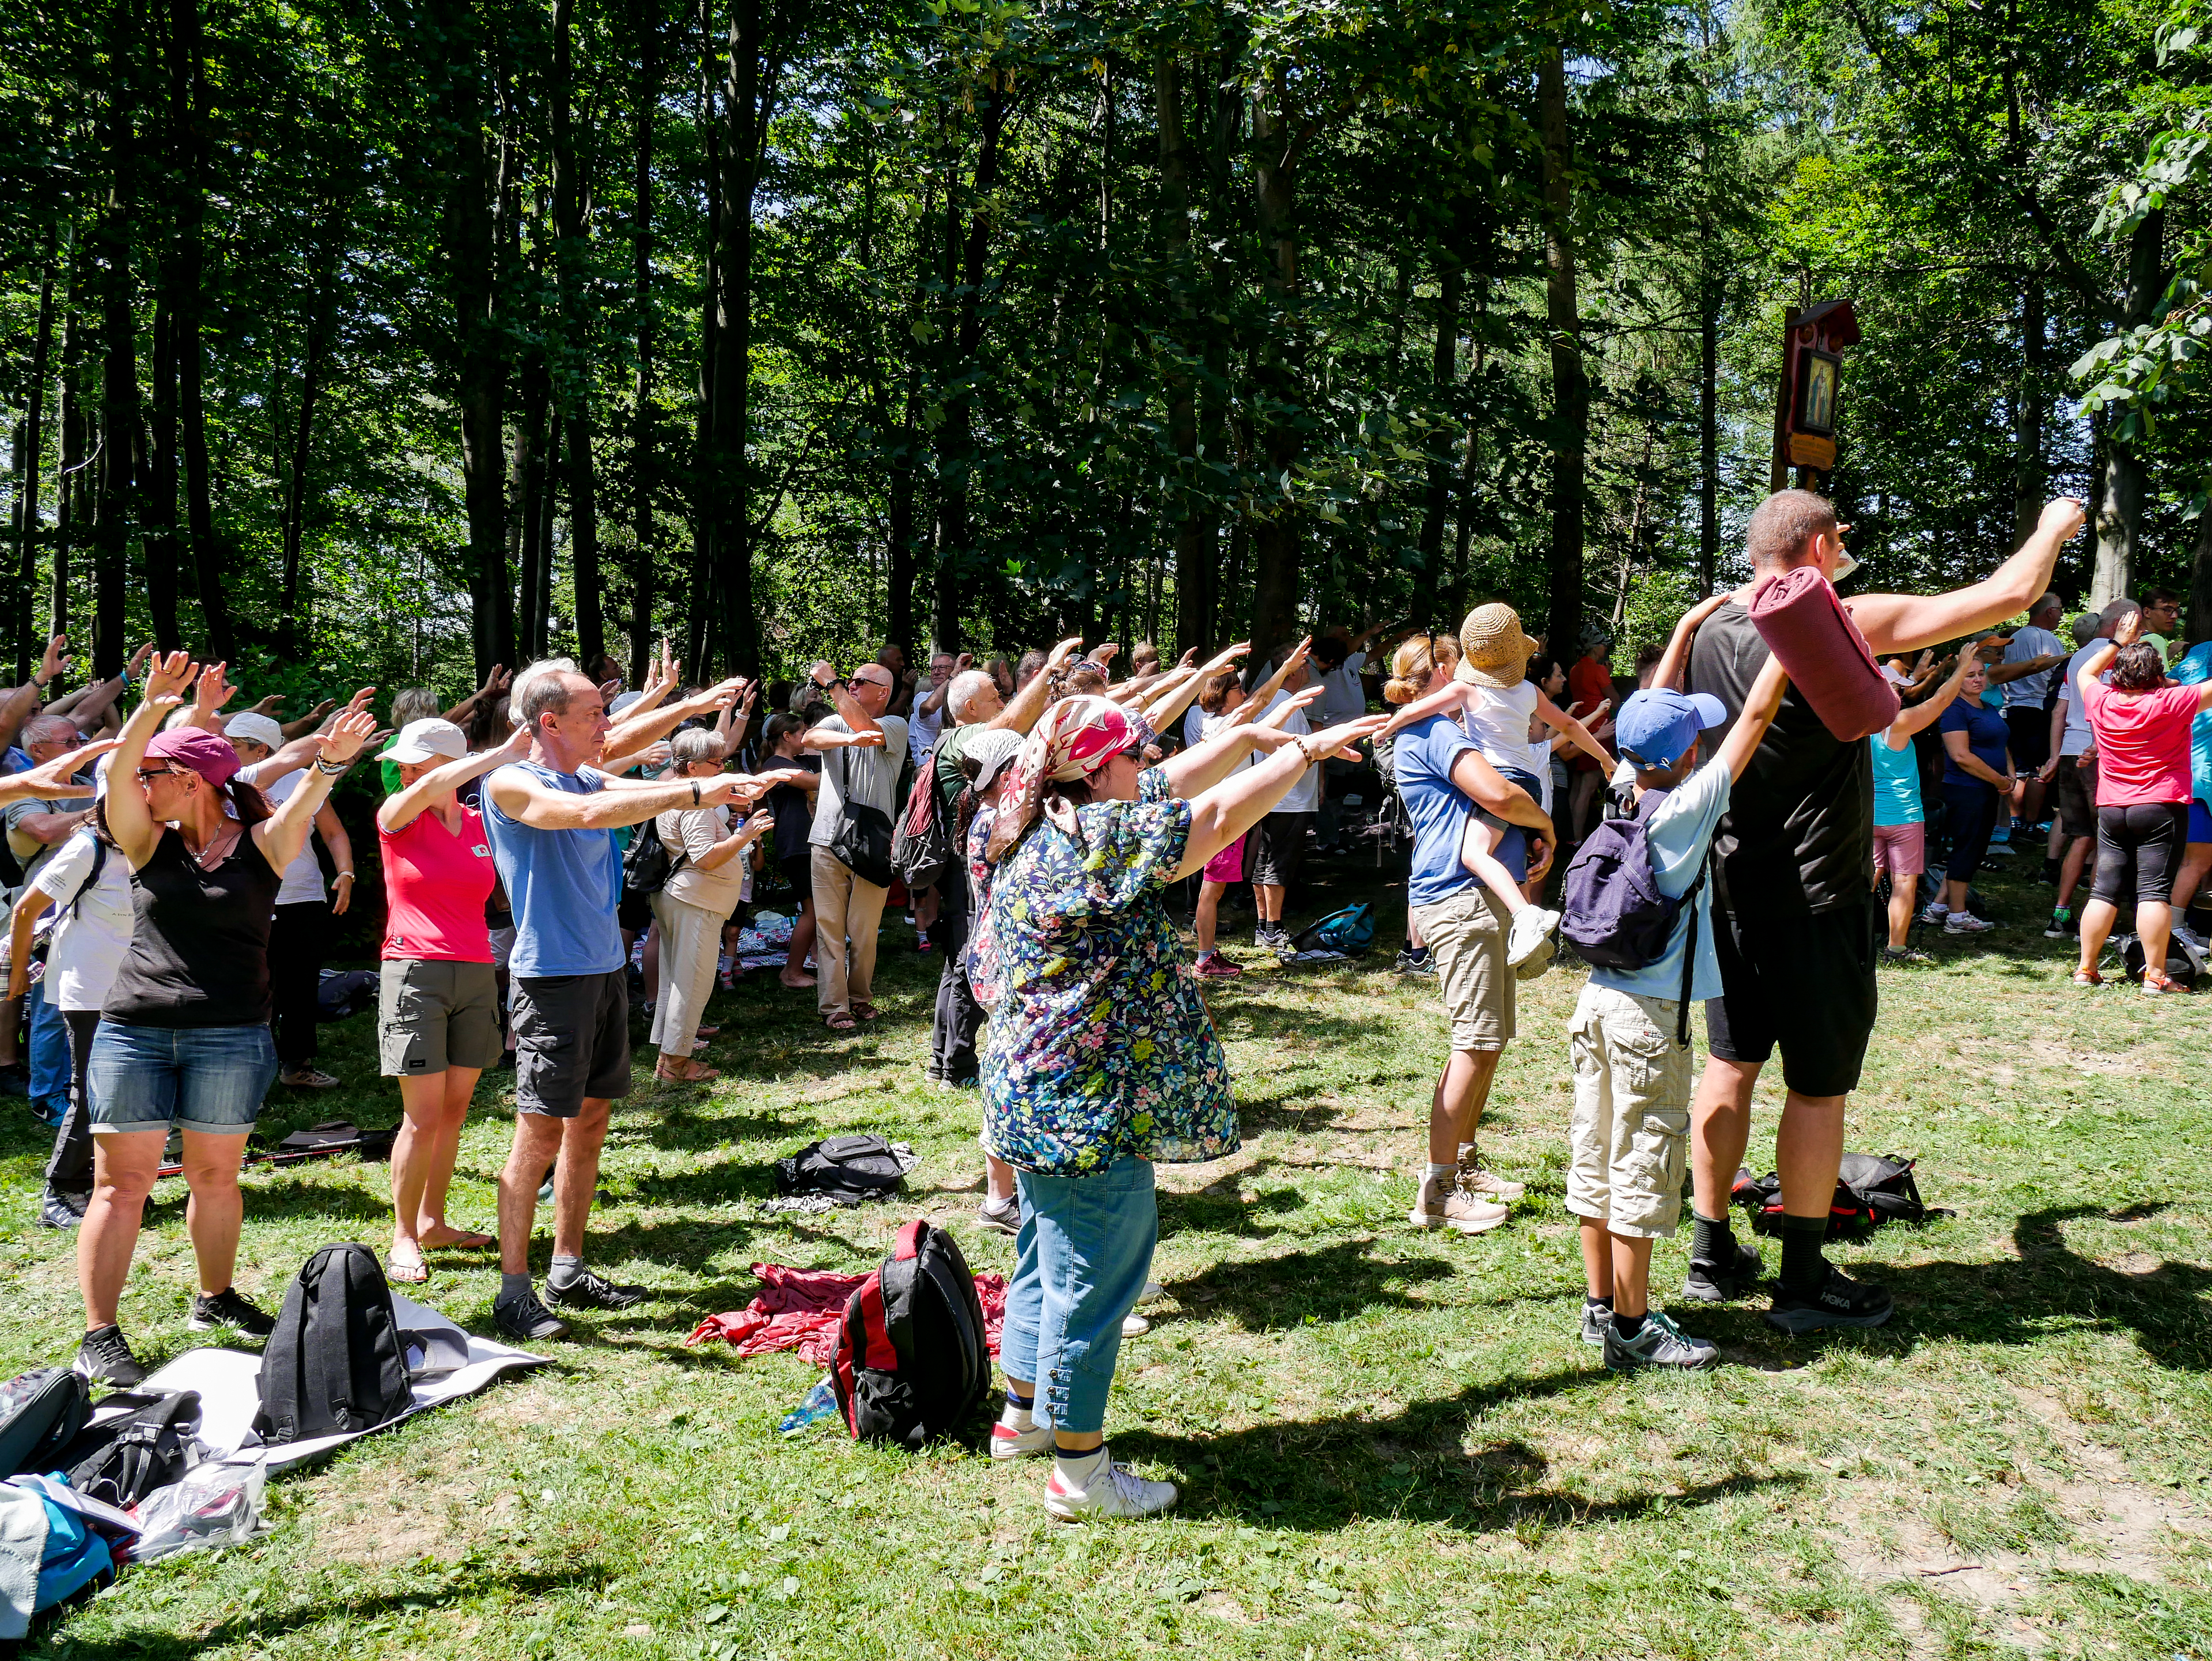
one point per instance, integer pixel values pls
(1611, 909)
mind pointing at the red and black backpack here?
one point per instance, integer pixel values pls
(911, 1363)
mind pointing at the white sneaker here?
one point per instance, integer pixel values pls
(1134, 1325)
(1532, 927)
(1152, 1293)
(1457, 1207)
(1934, 913)
(1965, 922)
(1109, 1489)
(2190, 937)
(1017, 1442)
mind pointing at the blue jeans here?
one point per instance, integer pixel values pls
(209, 1079)
(50, 1057)
(1085, 1247)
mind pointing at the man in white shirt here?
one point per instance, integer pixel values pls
(2027, 700)
(927, 720)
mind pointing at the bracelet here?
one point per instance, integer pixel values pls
(330, 770)
(343, 876)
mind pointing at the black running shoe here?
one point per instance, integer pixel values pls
(588, 1291)
(105, 1357)
(523, 1318)
(1709, 1283)
(1658, 1344)
(1840, 1302)
(227, 1309)
(60, 1208)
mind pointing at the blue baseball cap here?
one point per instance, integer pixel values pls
(1655, 726)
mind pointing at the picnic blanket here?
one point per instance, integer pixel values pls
(801, 1309)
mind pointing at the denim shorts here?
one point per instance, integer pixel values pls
(208, 1078)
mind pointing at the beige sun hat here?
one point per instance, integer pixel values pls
(1494, 651)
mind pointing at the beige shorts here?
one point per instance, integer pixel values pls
(1632, 1126)
(1467, 934)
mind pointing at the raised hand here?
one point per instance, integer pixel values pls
(1290, 705)
(2063, 516)
(214, 691)
(822, 673)
(1058, 657)
(1227, 655)
(168, 675)
(517, 747)
(351, 730)
(136, 657)
(608, 688)
(56, 655)
(57, 777)
(1188, 660)
(1103, 653)
(1337, 742)
(2130, 629)
(963, 663)
(494, 681)
(272, 706)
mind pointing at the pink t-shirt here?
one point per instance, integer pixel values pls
(2142, 744)
(435, 885)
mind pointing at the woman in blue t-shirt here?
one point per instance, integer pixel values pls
(1976, 776)
(1899, 828)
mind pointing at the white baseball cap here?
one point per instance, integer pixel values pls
(431, 738)
(250, 724)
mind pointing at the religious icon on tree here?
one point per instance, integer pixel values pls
(1816, 392)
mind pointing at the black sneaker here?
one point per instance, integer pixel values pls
(105, 1357)
(1709, 1283)
(1840, 1302)
(227, 1309)
(523, 1318)
(588, 1291)
(1900, 957)
(1657, 1344)
(62, 1209)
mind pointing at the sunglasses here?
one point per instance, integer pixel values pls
(864, 680)
(161, 772)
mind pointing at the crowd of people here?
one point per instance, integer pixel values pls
(554, 850)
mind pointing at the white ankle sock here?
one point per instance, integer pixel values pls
(1014, 1418)
(1080, 1468)
(1442, 1174)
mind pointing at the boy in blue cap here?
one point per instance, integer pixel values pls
(1632, 1079)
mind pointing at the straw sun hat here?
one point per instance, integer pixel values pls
(1494, 651)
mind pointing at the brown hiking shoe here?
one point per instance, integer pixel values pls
(1437, 1207)
(1486, 1183)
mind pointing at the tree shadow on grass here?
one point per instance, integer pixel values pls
(1333, 1473)
(1328, 1285)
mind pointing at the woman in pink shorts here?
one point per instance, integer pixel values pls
(1900, 839)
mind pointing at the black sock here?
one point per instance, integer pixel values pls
(1061, 1450)
(1026, 1404)
(1712, 1241)
(1627, 1326)
(1597, 1303)
(1803, 1268)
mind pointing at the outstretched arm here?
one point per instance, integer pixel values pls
(1029, 703)
(1759, 710)
(1905, 622)
(1449, 697)
(1676, 657)
(1922, 716)
(1552, 716)
(402, 810)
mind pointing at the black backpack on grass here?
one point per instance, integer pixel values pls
(337, 1361)
(1871, 1190)
(848, 1169)
(912, 1363)
(41, 1414)
(143, 1440)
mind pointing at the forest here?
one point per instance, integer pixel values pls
(389, 340)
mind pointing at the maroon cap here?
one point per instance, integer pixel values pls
(206, 754)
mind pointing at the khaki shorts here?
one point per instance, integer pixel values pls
(432, 1014)
(1631, 1125)
(1467, 934)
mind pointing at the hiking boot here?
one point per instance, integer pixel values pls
(1657, 1344)
(1965, 922)
(1000, 1216)
(1214, 966)
(1596, 1318)
(1709, 1283)
(2061, 924)
(1436, 1207)
(1532, 927)
(1012, 1442)
(588, 1291)
(104, 1358)
(523, 1318)
(307, 1078)
(1111, 1489)
(1487, 1183)
(1840, 1302)
(62, 1209)
(227, 1309)
(1900, 957)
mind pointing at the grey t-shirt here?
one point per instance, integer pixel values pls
(2029, 691)
(869, 776)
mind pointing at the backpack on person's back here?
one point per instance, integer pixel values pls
(1612, 909)
(921, 846)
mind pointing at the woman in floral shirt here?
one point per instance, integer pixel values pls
(1101, 1057)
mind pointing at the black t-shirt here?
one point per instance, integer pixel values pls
(199, 950)
(1798, 837)
(794, 807)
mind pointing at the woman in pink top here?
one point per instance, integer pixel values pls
(437, 1007)
(2141, 728)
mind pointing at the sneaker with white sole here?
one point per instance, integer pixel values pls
(1456, 1208)
(1532, 927)
(1213, 966)
(103, 1357)
(1102, 1486)
(1018, 1441)
(1657, 1344)
(1152, 1293)
(1000, 1216)
(1134, 1325)
(1487, 1183)
(1933, 915)
(308, 1078)
(1965, 922)
(230, 1308)
(1596, 1318)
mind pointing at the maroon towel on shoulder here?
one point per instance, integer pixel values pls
(1804, 624)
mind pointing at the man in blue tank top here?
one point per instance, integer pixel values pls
(551, 820)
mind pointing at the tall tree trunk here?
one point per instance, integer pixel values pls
(644, 25)
(2200, 584)
(1709, 435)
(571, 257)
(1275, 536)
(2119, 518)
(530, 495)
(69, 492)
(34, 440)
(1193, 557)
(158, 495)
(120, 410)
(321, 325)
(1444, 372)
(536, 620)
(188, 304)
(468, 254)
(2030, 478)
(957, 453)
(1570, 387)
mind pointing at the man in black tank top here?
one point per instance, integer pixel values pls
(1793, 874)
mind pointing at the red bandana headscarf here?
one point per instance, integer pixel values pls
(1071, 740)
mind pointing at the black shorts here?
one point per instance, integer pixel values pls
(2144, 842)
(2031, 736)
(2077, 796)
(633, 917)
(1806, 984)
(798, 871)
(571, 1041)
(1277, 849)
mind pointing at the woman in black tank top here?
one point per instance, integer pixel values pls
(184, 1039)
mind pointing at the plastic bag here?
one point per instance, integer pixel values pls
(215, 1505)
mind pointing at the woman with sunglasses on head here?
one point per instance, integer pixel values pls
(184, 1039)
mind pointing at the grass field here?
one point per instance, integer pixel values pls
(1389, 1443)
